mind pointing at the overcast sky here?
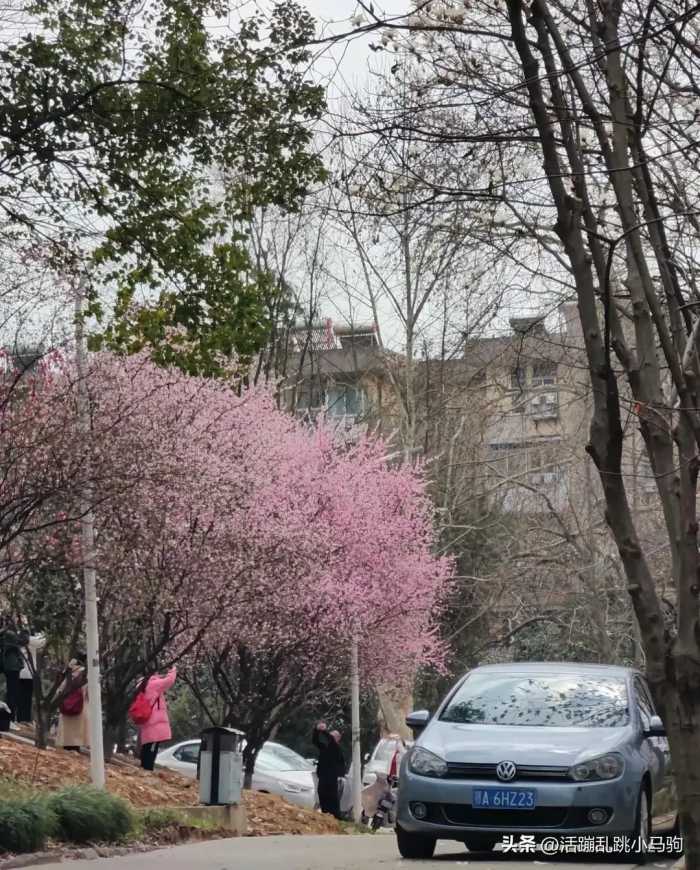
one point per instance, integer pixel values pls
(344, 66)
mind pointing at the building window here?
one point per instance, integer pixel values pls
(509, 460)
(544, 374)
(544, 406)
(551, 475)
(538, 462)
(518, 405)
(345, 401)
(517, 379)
(310, 397)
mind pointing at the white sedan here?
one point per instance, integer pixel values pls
(379, 761)
(278, 770)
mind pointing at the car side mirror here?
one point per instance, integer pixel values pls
(656, 728)
(417, 720)
(367, 757)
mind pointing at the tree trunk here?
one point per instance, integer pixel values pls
(41, 727)
(110, 738)
(122, 736)
(250, 753)
(682, 720)
(394, 706)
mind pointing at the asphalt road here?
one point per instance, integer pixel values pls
(363, 852)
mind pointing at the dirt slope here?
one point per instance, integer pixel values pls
(52, 769)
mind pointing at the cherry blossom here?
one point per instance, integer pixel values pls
(226, 532)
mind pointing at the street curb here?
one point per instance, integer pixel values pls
(231, 818)
(31, 860)
(87, 853)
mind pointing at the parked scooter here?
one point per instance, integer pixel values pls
(379, 798)
(386, 805)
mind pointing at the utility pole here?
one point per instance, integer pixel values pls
(87, 530)
(355, 717)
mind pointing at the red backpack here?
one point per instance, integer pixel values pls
(72, 704)
(141, 709)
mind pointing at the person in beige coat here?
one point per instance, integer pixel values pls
(74, 731)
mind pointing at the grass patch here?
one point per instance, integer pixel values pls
(159, 819)
(169, 825)
(355, 828)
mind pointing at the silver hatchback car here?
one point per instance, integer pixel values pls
(543, 749)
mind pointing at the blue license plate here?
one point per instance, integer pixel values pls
(504, 798)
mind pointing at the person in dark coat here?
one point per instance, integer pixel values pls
(11, 663)
(331, 766)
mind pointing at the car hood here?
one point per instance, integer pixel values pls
(489, 744)
(291, 777)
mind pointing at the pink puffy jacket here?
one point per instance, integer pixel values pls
(157, 729)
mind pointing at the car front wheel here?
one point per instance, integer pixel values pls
(639, 837)
(414, 845)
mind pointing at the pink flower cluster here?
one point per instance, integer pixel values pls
(223, 520)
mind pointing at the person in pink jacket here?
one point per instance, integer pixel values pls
(157, 729)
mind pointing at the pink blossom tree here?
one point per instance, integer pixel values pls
(353, 538)
(230, 536)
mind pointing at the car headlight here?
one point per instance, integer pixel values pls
(426, 763)
(608, 766)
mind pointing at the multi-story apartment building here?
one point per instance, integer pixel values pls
(531, 388)
(338, 372)
(520, 393)
(519, 404)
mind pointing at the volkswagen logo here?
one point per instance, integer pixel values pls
(506, 770)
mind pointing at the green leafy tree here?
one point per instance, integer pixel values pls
(143, 136)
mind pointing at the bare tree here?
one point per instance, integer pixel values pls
(581, 117)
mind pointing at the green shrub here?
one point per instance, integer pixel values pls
(85, 815)
(25, 824)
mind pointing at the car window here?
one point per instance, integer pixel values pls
(267, 760)
(385, 750)
(188, 753)
(644, 701)
(272, 759)
(557, 701)
(287, 756)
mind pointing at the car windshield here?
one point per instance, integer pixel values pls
(556, 701)
(274, 756)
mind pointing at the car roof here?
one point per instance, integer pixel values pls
(194, 740)
(175, 746)
(552, 668)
